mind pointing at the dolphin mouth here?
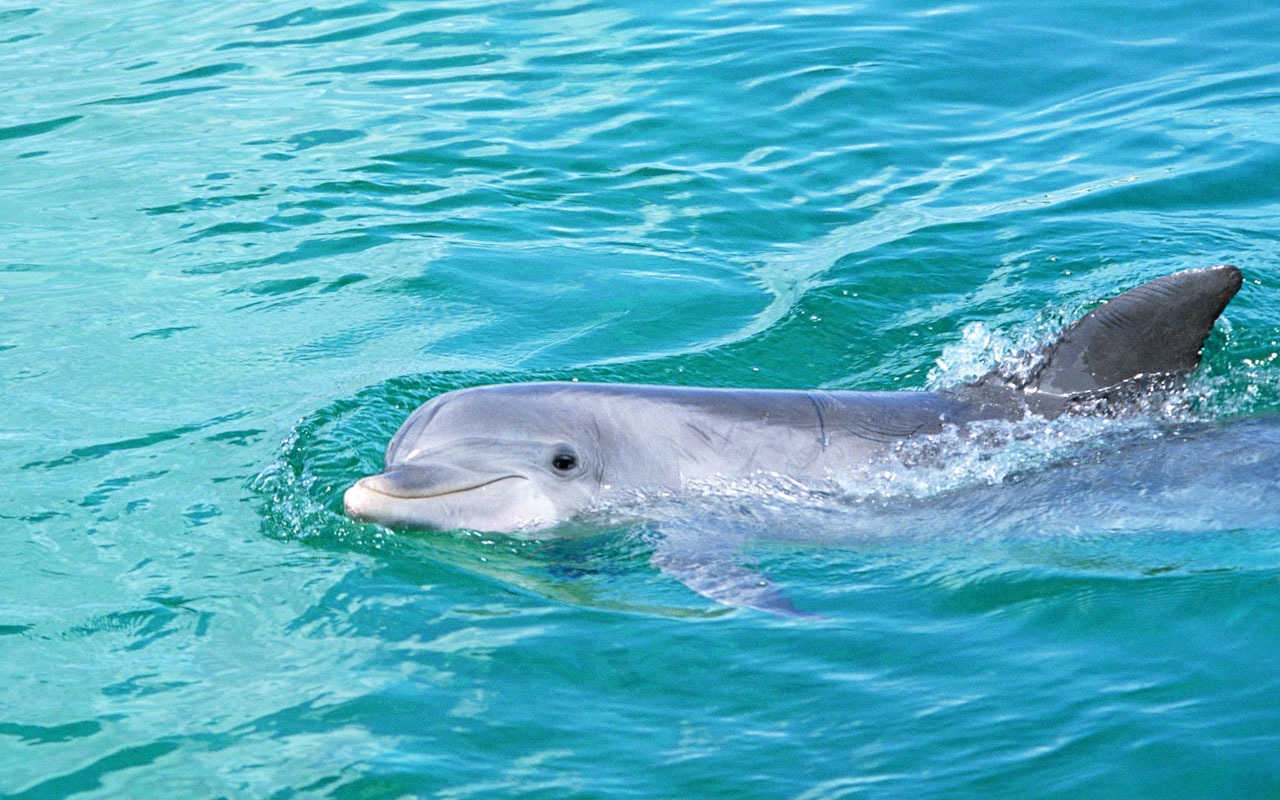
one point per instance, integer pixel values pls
(488, 503)
(420, 483)
(391, 493)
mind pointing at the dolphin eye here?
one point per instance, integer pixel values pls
(564, 461)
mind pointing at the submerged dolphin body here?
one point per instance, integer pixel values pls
(516, 457)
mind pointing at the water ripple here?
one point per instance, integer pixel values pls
(236, 209)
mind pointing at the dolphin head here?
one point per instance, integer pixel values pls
(493, 458)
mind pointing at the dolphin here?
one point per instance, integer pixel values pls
(525, 457)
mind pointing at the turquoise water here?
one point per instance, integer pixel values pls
(241, 240)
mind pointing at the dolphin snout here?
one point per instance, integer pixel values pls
(409, 482)
(431, 498)
(412, 482)
(358, 501)
(371, 497)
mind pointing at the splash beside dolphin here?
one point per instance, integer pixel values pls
(516, 457)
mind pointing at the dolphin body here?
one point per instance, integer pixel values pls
(524, 457)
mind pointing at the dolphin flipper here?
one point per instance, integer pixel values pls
(716, 572)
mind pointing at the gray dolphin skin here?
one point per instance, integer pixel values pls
(522, 457)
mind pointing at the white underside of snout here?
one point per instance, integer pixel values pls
(503, 505)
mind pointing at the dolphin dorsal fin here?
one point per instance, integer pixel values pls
(1154, 330)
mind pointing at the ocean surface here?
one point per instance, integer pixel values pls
(240, 241)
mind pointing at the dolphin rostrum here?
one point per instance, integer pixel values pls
(518, 457)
